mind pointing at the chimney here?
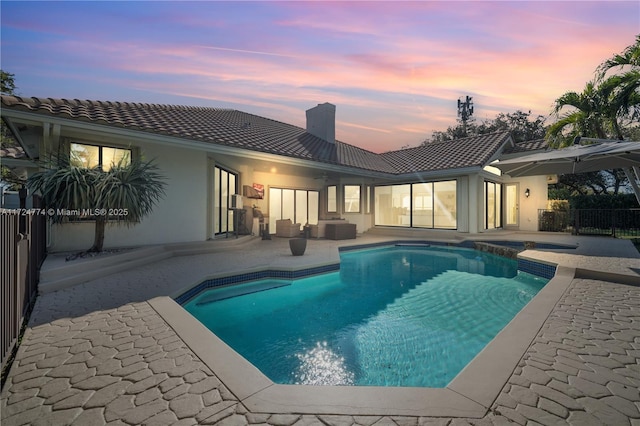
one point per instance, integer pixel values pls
(321, 121)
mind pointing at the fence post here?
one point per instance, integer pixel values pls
(22, 194)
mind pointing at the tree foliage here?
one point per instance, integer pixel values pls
(607, 108)
(8, 178)
(522, 125)
(591, 183)
(7, 83)
(129, 191)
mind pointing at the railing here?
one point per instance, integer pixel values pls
(22, 241)
(613, 222)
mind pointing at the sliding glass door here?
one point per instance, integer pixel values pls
(492, 205)
(225, 185)
(419, 205)
(299, 205)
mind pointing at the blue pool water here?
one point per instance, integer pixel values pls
(395, 316)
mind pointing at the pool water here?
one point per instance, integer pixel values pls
(396, 316)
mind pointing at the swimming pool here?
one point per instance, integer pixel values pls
(394, 316)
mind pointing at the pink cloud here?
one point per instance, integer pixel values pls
(393, 70)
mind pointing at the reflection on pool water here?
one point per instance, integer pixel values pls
(394, 316)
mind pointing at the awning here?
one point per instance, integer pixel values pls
(574, 159)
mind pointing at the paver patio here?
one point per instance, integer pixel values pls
(98, 353)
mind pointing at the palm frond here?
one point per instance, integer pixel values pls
(135, 188)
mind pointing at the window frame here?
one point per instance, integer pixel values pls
(100, 153)
(226, 183)
(497, 204)
(345, 201)
(405, 216)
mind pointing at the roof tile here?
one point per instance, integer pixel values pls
(473, 151)
(252, 132)
(528, 146)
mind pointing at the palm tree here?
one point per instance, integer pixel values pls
(622, 88)
(625, 83)
(630, 56)
(607, 105)
(622, 92)
(124, 194)
(586, 117)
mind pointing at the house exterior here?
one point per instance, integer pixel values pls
(279, 170)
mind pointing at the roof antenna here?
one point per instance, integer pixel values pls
(465, 111)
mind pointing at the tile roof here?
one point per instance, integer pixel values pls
(15, 152)
(243, 130)
(527, 146)
(473, 151)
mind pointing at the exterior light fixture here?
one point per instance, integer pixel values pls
(527, 192)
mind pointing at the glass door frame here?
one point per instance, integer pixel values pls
(223, 222)
(510, 203)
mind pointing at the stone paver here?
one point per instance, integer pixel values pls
(98, 354)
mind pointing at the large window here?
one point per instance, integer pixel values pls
(392, 205)
(492, 205)
(90, 156)
(420, 205)
(299, 205)
(352, 198)
(445, 205)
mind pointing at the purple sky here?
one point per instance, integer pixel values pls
(393, 69)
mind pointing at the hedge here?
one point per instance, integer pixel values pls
(603, 201)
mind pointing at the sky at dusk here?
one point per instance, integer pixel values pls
(394, 70)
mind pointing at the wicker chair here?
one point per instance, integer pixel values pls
(286, 229)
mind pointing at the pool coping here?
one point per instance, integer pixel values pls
(470, 394)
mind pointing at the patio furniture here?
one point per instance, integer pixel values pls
(297, 246)
(318, 231)
(340, 231)
(286, 229)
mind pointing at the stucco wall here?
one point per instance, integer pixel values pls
(181, 216)
(537, 200)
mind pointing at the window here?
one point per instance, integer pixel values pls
(422, 210)
(444, 204)
(352, 198)
(418, 205)
(90, 156)
(299, 205)
(332, 199)
(392, 205)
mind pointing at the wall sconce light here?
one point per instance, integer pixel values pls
(527, 192)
